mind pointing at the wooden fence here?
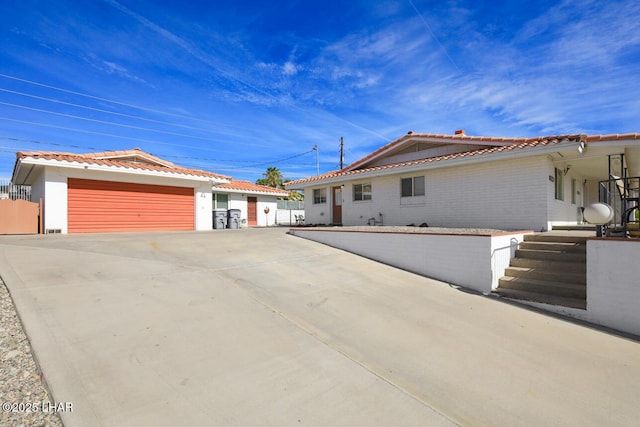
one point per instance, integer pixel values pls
(19, 217)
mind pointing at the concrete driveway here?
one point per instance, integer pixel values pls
(255, 327)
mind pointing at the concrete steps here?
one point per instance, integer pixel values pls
(544, 298)
(552, 246)
(551, 255)
(542, 274)
(580, 227)
(552, 237)
(558, 266)
(548, 268)
(563, 289)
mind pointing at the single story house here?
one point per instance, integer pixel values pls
(258, 204)
(472, 181)
(116, 191)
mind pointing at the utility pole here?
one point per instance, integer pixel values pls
(317, 150)
(341, 152)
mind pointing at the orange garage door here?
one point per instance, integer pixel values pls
(96, 206)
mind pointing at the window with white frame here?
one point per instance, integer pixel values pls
(362, 192)
(220, 201)
(559, 182)
(319, 196)
(412, 187)
(574, 189)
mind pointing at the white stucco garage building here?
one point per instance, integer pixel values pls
(116, 191)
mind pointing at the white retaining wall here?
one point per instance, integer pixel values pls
(478, 261)
(472, 261)
(613, 283)
(288, 216)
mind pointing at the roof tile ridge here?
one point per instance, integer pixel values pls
(613, 137)
(47, 153)
(131, 151)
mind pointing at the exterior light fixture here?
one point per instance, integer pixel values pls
(581, 147)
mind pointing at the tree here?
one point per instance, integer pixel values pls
(273, 178)
(293, 194)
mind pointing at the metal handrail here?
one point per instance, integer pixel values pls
(623, 195)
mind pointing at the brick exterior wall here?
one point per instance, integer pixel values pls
(508, 195)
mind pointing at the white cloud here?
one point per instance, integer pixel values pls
(110, 67)
(561, 73)
(289, 69)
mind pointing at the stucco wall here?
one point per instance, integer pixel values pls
(472, 261)
(55, 200)
(239, 201)
(204, 207)
(54, 182)
(613, 283)
(267, 219)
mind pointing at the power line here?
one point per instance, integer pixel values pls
(33, 141)
(55, 144)
(372, 132)
(71, 116)
(57, 101)
(101, 99)
(279, 161)
(107, 122)
(128, 105)
(108, 134)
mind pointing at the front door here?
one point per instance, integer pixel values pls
(337, 205)
(252, 211)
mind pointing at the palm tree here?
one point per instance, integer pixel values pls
(272, 178)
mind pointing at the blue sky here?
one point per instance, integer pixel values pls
(237, 86)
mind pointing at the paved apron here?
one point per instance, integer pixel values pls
(256, 327)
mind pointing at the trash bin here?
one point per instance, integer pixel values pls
(233, 218)
(219, 218)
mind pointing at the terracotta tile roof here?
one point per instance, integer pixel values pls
(501, 144)
(459, 138)
(613, 137)
(124, 154)
(240, 185)
(130, 159)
